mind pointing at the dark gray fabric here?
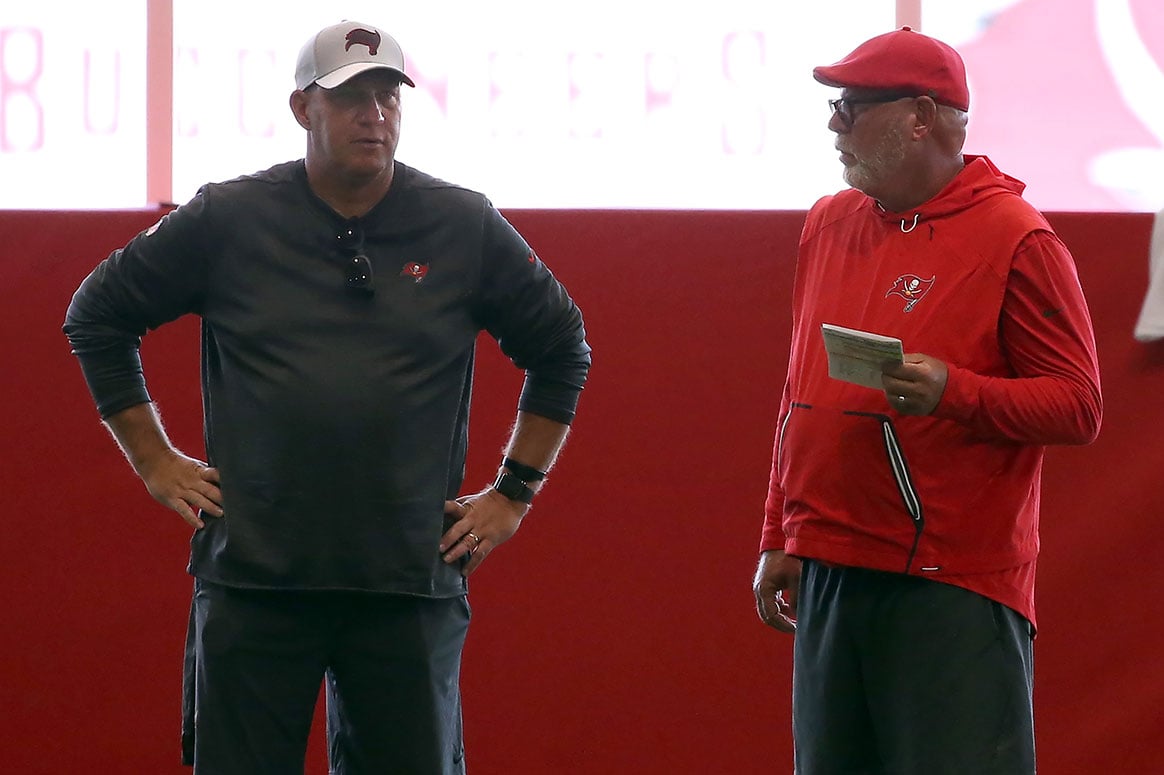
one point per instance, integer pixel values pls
(390, 663)
(901, 675)
(338, 420)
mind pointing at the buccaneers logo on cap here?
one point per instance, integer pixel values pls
(911, 288)
(362, 37)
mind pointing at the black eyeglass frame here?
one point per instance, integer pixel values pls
(357, 266)
(843, 106)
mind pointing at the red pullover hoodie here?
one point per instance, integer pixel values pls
(976, 278)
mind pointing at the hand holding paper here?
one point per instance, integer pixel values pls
(920, 380)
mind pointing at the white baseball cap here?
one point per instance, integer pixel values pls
(344, 50)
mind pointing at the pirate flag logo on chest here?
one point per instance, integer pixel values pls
(911, 288)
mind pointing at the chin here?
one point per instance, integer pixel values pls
(368, 167)
(860, 178)
(852, 177)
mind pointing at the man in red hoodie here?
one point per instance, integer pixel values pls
(901, 526)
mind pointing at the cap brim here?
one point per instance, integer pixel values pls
(347, 72)
(830, 77)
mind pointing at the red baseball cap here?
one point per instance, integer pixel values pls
(902, 61)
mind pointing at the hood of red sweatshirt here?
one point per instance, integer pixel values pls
(978, 180)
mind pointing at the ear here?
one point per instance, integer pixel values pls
(298, 103)
(925, 114)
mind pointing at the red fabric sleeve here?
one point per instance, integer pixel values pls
(772, 536)
(1046, 335)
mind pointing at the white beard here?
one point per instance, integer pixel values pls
(880, 164)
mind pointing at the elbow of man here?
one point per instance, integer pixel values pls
(1088, 415)
(1091, 418)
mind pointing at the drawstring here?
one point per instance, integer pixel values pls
(916, 218)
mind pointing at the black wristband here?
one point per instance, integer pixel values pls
(513, 488)
(522, 471)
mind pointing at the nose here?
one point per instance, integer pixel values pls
(371, 109)
(837, 124)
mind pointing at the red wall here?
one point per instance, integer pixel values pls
(616, 632)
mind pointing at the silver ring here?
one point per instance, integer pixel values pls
(475, 537)
(901, 399)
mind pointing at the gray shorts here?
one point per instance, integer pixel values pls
(389, 664)
(900, 675)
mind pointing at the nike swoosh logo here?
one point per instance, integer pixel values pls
(1052, 312)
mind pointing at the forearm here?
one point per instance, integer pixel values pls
(186, 485)
(1034, 410)
(536, 442)
(138, 431)
(772, 533)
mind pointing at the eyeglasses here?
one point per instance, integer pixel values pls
(843, 108)
(357, 266)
